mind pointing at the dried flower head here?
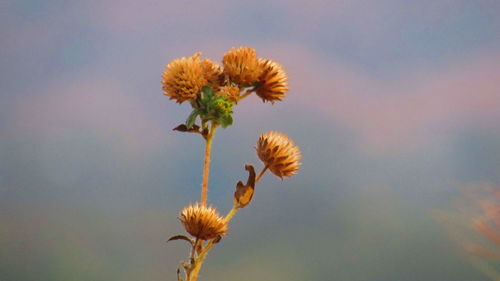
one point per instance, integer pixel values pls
(230, 92)
(213, 72)
(242, 65)
(273, 81)
(203, 222)
(279, 154)
(183, 78)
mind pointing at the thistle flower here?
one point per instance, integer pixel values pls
(279, 154)
(183, 78)
(241, 65)
(213, 72)
(229, 92)
(203, 222)
(273, 81)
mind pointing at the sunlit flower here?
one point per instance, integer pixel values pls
(183, 78)
(241, 65)
(213, 72)
(273, 81)
(279, 154)
(203, 222)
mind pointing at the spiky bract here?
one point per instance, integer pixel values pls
(273, 82)
(203, 222)
(183, 78)
(279, 154)
(241, 65)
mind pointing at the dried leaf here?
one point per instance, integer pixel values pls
(244, 193)
(181, 237)
(183, 128)
(251, 175)
(217, 239)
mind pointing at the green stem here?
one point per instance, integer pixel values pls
(231, 213)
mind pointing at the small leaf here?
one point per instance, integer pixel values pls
(183, 128)
(243, 195)
(181, 237)
(251, 175)
(192, 118)
(217, 239)
(244, 192)
(225, 121)
(207, 91)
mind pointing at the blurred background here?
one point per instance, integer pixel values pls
(394, 104)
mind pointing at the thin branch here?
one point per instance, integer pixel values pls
(247, 93)
(206, 166)
(261, 174)
(230, 215)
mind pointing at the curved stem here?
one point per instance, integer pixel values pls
(206, 166)
(261, 174)
(246, 94)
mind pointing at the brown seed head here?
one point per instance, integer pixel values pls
(213, 72)
(279, 154)
(203, 222)
(241, 65)
(183, 78)
(273, 81)
(229, 92)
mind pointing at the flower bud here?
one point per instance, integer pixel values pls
(279, 154)
(203, 222)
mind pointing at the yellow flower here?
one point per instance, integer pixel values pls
(184, 78)
(213, 72)
(279, 154)
(273, 81)
(203, 222)
(241, 65)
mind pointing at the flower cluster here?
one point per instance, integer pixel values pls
(192, 79)
(212, 90)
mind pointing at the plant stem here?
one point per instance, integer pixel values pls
(193, 273)
(246, 94)
(193, 250)
(231, 213)
(261, 174)
(206, 166)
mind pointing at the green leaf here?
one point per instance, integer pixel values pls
(192, 118)
(207, 91)
(213, 108)
(226, 120)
